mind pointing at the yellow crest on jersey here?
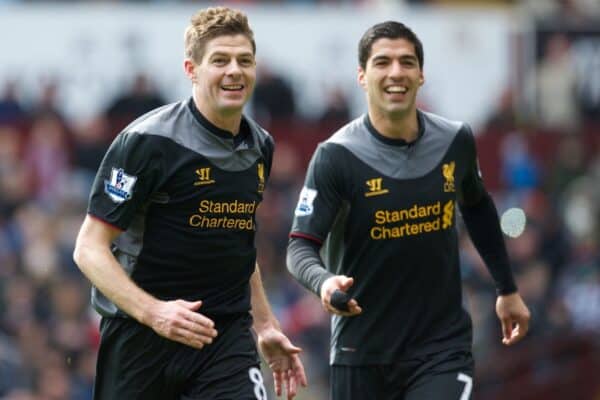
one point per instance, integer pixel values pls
(261, 177)
(448, 173)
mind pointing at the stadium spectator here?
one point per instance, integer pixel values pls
(556, 81)
(11, 111)
(47, 157)
(140, 99)
(520, 170)
(336, 111)
(273, 99)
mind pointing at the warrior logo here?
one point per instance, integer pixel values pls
(203, 177)
(374, 186)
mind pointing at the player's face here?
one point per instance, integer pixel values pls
(225, 77)
(391, 78)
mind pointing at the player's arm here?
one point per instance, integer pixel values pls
(483, 225)
(130, 172)
(175, 320)
(305, 264)
(319, 203)
(281, 355)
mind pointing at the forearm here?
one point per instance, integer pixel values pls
(305, 264)
(102, 269)
(261, 310)
(483, 225)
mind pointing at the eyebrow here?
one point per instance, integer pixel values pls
(225, 54)
(411, 57)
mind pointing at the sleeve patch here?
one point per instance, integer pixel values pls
(120, 186)
(305, 202)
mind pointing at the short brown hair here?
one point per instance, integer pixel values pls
(212, 22)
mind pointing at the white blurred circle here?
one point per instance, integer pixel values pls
(513, 222)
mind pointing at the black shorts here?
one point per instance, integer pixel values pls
(135, 363)
(442, 376)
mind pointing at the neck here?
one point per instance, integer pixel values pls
(227, 121)
(405, 126)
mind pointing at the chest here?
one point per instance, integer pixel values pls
(371, 190)
(198, 179)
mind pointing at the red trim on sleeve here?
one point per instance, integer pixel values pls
(305, 236)
(106, 222)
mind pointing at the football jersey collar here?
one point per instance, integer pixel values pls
(396, 142)
(244, 136)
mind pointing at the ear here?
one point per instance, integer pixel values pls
(362, 80)
(189, 68)
(421, 79)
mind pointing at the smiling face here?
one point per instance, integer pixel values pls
(391, 78)
(224, 78)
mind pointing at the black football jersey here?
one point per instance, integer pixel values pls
(385, 211)
(185, 193)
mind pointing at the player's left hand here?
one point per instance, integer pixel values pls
(514, 317)
(283, 359)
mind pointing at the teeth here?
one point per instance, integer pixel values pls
(232, 87)
(396, 89)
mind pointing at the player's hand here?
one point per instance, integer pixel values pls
(341, 283)
(179, 320)
(283, 359)
(514, 317)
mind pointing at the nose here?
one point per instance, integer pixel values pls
(234, 68)
(396, 69)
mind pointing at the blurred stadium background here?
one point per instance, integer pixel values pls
(525, 74)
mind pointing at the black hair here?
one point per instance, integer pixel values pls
(390, 30)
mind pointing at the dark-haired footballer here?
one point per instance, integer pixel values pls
(379, 204)
(168, 242)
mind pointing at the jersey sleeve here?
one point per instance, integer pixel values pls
(129, 173)
(471, 189)
(320, 198)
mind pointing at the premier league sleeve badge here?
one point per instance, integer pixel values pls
(120, 185)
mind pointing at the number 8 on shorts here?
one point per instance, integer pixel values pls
(259, 384)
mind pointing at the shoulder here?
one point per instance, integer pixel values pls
(260, 134)
(350, 134)
(446, 129)
(437, 124)
(345, 140)
(163, 121)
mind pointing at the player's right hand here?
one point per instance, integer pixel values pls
(178, 320)
(342, 283)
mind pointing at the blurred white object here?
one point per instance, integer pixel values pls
(513, 222)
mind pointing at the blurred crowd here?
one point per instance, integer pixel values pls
(545, 161)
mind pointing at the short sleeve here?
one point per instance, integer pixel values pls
(129, 173)
(320, 198)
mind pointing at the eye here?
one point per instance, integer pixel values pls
(219, 61)
(246, 62)
(409, 63)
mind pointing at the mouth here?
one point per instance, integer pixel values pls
(232, 88)
(396, 89)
